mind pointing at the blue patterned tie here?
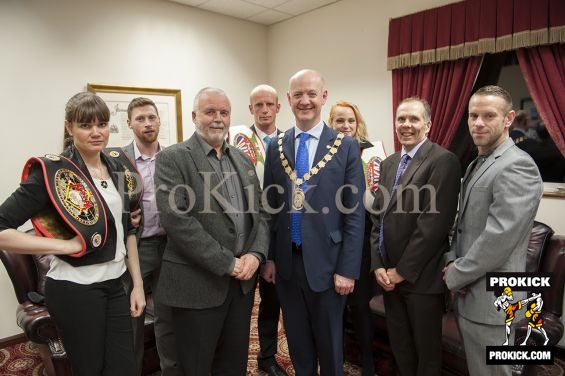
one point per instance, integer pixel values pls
(302, 167)
(266, 140)
(401, 168)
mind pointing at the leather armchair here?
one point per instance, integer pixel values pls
(546, 253)
(27, 273)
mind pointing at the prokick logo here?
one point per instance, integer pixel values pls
(530, 308)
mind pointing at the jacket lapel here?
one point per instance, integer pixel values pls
(408, 174)
(327, 139)
(486, 165)
(204, 168)
(288, 147)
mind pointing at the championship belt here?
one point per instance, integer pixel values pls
(77, 207)
(133, 181)
(372, 158)
(243, 138)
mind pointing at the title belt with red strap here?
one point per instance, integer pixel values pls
(77, 207)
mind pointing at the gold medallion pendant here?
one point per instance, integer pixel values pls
(298, 196)
(298, 199)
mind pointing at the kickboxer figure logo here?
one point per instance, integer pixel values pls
(504, 302)
(536, 321)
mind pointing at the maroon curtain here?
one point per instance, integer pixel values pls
(543, 68)
(477, 27)
(446, 86)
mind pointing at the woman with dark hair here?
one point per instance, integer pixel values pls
(82, 218)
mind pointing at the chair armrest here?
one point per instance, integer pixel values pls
(551, 323)
(39, 327)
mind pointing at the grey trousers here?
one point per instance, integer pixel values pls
(476, 337)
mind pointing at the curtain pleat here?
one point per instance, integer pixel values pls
(504, 16)
(473, 28)
(543, 68)
(442, 85)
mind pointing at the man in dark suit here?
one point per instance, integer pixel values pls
(208, 196)
(264, 106)
(413, 213)
(145, 123)
(314, 184)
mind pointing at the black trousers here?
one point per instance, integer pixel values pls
(215, 341)
(94, 324)
(268, 323)
(414, 324)
(150, 252)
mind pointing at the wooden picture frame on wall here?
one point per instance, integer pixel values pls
(168, 102)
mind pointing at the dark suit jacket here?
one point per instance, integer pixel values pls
(332, 242)
(417, 227)
(201, 236)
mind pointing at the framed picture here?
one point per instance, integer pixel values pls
(168, 102)
(528, 105)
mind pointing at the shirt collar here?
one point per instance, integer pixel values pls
(414, 150)
(208, 148)
(262, 134)
(138, 155)
(315, 132)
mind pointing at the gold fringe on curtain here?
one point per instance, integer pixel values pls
(442, 54)
(428, 56)
(557, 34)
(487, 45)
(538, 37)
(477, 47)
(521, 39)
(471, 48)
(416, 58)
(457, 52)
(404, 60)
(392, 63)
(504, 43)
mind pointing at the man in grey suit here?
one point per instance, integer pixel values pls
(499, 198)
(209, 200)
(144, 121)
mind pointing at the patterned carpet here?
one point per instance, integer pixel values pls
(282, 355)
(23, 359)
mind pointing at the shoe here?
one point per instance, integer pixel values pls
(274, 370)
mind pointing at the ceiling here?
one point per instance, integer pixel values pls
(266, 12)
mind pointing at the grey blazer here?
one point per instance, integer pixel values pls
(496, 214)
(199, 254)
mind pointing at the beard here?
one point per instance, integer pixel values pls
(211, 135)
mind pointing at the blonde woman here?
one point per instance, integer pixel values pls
(345, 117)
